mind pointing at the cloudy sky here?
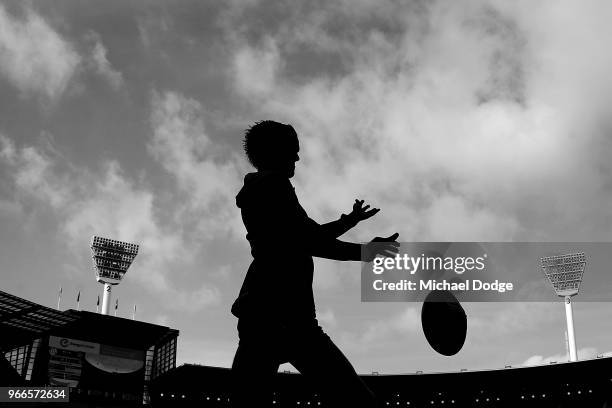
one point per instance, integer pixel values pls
(472, 120)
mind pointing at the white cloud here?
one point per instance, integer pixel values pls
(34, 57)
(8, 148)
(256, 68)
(451, 117)
(151, 26)
(109, 204)
(329, 275)
(486, 321)
(193, 300)
(99, 62)
(208, 175)
(583, 354)
(39, 61)
(377, 334)
(327, 318)
(31, 169)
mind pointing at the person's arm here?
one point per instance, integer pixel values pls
(332, 248)
(340, 226)
(324, 244)
(283, 224)
(347, 221)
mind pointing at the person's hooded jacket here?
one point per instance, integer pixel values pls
(283, 239)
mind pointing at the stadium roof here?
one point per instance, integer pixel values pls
(113, 330)
(22, 321)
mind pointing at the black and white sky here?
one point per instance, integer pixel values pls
(475, 120)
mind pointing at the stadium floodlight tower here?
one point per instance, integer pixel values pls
(111, 260)
(564, 272)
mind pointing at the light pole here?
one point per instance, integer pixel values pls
(564, 272)
(111, 260)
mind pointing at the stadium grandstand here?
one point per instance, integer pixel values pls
(586, 383)
(104, 360)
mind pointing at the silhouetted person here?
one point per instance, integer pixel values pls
(275, 308)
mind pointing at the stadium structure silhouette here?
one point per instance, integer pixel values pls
(134, 363)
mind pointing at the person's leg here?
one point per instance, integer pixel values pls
(323, 364)
(253, 370)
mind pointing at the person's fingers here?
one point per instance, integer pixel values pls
(366, 207)
(392, 237)
(372, 211)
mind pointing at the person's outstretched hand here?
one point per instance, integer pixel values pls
(361, 212)
(387, 247)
